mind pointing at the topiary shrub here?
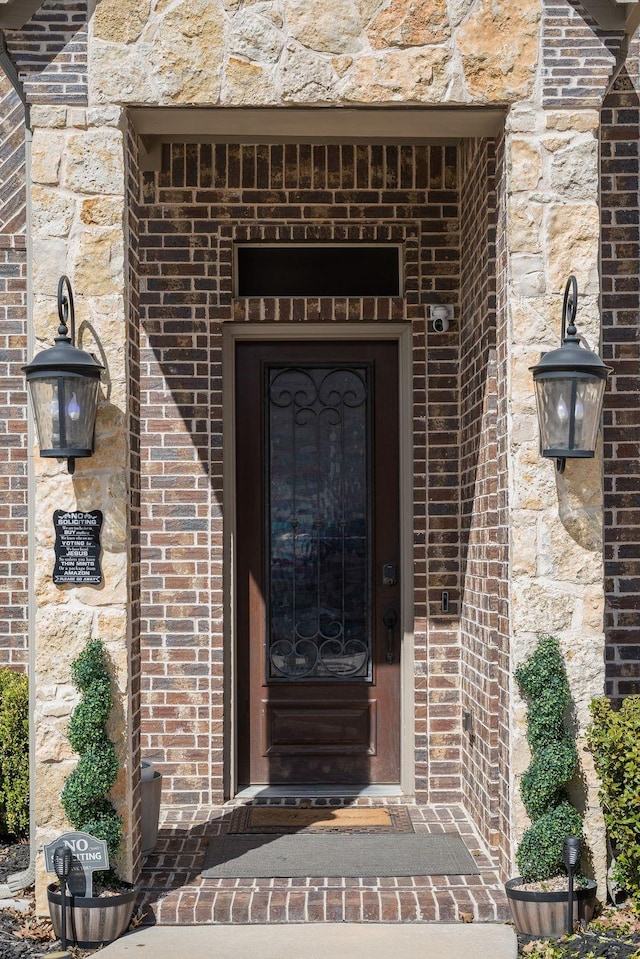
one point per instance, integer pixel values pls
(85, 793)
(613, 739)
(542, 681)
(14, 753)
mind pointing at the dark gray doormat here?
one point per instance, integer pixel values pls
(287, 857)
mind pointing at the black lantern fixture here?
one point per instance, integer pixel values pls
(569, 384)
(63, 382)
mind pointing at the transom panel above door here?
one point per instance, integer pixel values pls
(317, 563)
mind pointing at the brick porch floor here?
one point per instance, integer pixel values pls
(174, 892)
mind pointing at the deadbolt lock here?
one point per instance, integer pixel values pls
(389, 575)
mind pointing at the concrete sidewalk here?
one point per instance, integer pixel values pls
(318, 941)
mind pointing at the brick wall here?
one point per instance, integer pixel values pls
(577, 56)
(620, 164)
(50, 53)
(13, 398)
(484, 556)
(203, 198)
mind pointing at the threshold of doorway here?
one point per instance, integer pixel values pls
(378, 791)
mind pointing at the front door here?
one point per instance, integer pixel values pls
(318, 594)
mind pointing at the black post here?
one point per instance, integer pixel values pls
(571, 850)
(62, 866)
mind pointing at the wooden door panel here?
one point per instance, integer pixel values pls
(298, 728)
(318, 700)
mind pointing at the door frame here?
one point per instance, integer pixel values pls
(402, 334)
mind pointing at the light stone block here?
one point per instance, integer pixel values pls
(525, 224)
(120, 21)
(253, 36)
(247, 83)
(572, 231)
(186, 52)
(528, 274)
(574, 170)
(99, 263)
(122, 74)
(541, 607)
(94, 162)
(493, 70)
(402, 23)
(52, 212)
(46, 156)
(49, 263)
(325, 28)
(525, 165)
(409, 76)
(306, 77)
(48, 115)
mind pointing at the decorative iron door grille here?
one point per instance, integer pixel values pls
(317, 488)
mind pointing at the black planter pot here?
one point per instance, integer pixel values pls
(92, 920)
(544, 914)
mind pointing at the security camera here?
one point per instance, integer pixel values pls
(440, 318)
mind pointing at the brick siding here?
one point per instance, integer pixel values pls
(50, 53)
(577, 56)
(13, 397)
(484, 559)
(205, 197)
(620, 164)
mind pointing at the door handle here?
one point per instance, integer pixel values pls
(390, 618)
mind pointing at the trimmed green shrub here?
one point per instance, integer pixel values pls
(614, 741)
(85, 793)
(14, 753)
(542, 681)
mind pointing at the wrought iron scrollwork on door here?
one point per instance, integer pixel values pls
(318, 532)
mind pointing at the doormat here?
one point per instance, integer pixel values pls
(331, 855)
(343, 819)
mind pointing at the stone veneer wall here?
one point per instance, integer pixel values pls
(78, 227)
(51, 57)
(484, 559)
(13, 396)
(555, 520)
(620, 215)
(205, 197)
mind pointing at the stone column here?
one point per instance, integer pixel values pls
(78, 228)
(552, 230)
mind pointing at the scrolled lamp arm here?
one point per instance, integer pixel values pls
(66, 309)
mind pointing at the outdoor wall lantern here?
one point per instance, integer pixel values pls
(63, 383)
(569, 385)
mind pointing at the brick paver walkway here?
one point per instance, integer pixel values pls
(174, 892)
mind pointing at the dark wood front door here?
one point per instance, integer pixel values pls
(318, 578)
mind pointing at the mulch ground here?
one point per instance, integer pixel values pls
(613, 935)
(23, 935)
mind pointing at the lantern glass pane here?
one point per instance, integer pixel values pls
(569, 410)
(65, 412)
(589, 396)
(80, 400)
(44, 399)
